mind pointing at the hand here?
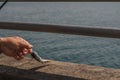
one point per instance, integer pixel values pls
(15, 47)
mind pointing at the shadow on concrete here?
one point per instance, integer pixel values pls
(12, 73)
(38, 67)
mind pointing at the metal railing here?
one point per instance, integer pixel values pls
(110, 32)
(61, 0)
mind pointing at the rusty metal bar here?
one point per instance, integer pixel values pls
(110, 32)
(61, 0)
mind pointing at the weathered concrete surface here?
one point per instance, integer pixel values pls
(29, 69)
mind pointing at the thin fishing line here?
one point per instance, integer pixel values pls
(3, 4)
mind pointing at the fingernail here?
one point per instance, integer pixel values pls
(25, 51)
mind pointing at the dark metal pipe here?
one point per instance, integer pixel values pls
(61, 0)
(110, 32)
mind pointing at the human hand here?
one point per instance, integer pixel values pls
(15, 47)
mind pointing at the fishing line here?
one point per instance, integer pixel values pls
(3, 4)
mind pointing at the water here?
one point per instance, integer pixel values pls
(70, 48)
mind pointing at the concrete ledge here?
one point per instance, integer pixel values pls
(29, 69)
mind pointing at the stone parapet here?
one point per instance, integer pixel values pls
(29, 69)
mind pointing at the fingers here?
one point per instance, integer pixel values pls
(21, 54)
(17, 55)
(26, 47)
(25, 50)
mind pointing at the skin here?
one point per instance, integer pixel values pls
(15, 47)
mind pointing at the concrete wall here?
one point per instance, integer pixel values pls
(29, 69)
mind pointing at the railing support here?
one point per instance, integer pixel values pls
(110, 32)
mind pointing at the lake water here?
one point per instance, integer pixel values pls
(70, 48)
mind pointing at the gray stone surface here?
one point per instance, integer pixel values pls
(29, 69)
